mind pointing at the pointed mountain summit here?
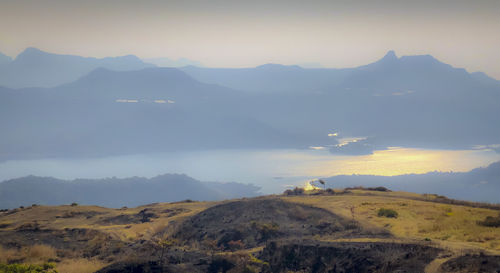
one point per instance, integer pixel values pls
(390, 55)
(416, 72)
(389, 58)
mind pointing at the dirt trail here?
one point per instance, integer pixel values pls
(433, 267)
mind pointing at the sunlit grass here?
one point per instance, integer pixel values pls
(416, 219)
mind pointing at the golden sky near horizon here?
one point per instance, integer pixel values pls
(249, 33)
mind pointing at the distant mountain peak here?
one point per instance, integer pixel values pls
(389, 56)
(31, 51)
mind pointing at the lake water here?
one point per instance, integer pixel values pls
(273, 170)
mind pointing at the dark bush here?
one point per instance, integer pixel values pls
(296, 191)
(220, 265)
(490, 221)
(369, 188)
(380, 189)
(389, 213)
(74, 204)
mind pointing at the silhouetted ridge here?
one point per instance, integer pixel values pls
(36, 68)
(116, 192)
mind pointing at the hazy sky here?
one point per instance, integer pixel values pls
(233, 33)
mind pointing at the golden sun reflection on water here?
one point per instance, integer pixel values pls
(397, 161)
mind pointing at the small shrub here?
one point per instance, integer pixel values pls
(389, 213)
(74, 204)
(235, 245)
(298, 191)
(384, 189)
(379, 189)
(490, 221)
(330, 191)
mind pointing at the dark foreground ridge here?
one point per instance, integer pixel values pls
(264, 234)
(257, 221)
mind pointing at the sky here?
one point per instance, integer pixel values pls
(249, 33)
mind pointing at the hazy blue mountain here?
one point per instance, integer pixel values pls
(390, 75)
(408, 73)
(411, 101)
(167, 62)
(35, 68)
(4, 59)
(111, 113)
(270, 78)
(481, 184)
(116, 192)
(485, 79)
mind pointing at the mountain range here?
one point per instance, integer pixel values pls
(167, 62)
(35, 68)
(116, 192)
(125, 106)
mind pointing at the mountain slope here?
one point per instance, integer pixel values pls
(128, 112)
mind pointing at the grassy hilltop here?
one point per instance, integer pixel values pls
(350, 230)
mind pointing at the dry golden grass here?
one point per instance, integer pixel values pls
(61, 217)
(79, 266)
(8, 255)
(33, 254)
(40, 253)
(417, 220)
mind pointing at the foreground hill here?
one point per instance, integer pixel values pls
(318, 231)
(116, 192)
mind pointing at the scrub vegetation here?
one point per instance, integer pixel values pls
(256, 234)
